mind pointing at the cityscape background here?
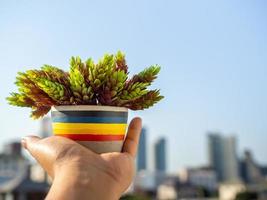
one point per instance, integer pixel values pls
(226, 175)
(213, 56)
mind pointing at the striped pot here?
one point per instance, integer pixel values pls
(99, 128)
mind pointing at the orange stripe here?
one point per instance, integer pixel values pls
(91, 137)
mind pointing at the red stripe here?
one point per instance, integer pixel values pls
(89, 137)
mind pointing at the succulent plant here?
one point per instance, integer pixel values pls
(86, 83)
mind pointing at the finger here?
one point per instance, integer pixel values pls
(34, 146)
(29, 143)
(40, 151)
(132, 139)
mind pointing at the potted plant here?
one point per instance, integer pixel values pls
(89, 104)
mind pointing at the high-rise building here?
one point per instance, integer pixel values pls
(223, 157)
(142, 151)
(215, 148)
(46, 127)
(250, 171)
(160, 155)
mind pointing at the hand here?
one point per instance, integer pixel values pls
(79, 173)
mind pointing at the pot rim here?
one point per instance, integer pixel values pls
(89, 108)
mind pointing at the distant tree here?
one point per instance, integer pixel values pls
(246, 196)
(134, 197)
(207, 193)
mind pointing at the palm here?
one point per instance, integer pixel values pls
(122, 167)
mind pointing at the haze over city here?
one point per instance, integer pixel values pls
(213, 57)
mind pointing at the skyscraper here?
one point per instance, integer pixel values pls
(142, 151)
(223, 157)
(250, 171)
(160, 155)
(46, 127)
(215, 148)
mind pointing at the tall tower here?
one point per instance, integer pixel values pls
(46, 127)
(215, 147)
(250, 170)
(142, 151)
(160, 155)
(230, 160)
(223, 157)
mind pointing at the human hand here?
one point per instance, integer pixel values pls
(79, 173)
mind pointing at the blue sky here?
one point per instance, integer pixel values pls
(213, 56)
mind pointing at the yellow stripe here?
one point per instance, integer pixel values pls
(89, 128)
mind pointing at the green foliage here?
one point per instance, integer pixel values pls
(147, 75)
(53, 89)
(121, 62)
(86, 83)
(79, 83)
(112, 87)
(145, 101)
(134, 197)
(27, 86)
(246, 195)
(21, 100)
(99, 73)
(133, 91)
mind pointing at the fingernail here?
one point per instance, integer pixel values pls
(23, 143)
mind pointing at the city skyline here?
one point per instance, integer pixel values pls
(213, 57)
(149, 151)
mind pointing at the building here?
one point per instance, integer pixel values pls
(12, 148)
(142, 151)
(171, 188)
(264, 171)
(223, 157)
(46, 127)
(250, 171)
(231, 167)
(15, 176)
(11, 162)
(215, 148)
(204, 177)
(145, 181)
(22, 187)
(160, 155)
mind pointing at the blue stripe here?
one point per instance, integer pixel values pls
(82, 113)
(116, 120)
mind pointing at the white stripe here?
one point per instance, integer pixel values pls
(89, 108)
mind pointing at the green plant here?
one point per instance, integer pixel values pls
(86, 83)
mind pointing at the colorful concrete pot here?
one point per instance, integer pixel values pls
(99, 128)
